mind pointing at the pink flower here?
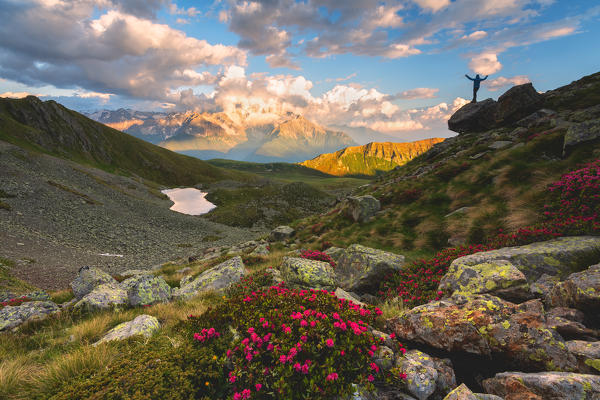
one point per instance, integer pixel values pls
(232, 377)
(370, 378)
(329, 342)
(305, 369)
(282, 358)
(258, 386)
(332, 376)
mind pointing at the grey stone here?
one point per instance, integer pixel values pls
(426, 375)
(13, 316)
(307, 274)
(103, 297)
(500, 144)
(362, 208)
(587, 354)
(143, 290)
(342, 294)
(361, 268)
(282, 232)
(334, 253)
(143, 325)
(581, 133)
(544, 385)
(88, 278)
(474, 117)
(215, 279)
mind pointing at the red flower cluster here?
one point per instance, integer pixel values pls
(317, 255)
(14, 302)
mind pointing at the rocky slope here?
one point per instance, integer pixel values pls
(369, 159)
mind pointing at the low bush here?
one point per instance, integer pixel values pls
(572, 209)
(291, 344)
(318, 256)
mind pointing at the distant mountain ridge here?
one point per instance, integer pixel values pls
(217, 135)
(371, 158)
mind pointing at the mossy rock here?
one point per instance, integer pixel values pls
(307, 274)
(144, 325)
(103, 297)
(89, 278)
(544, 385)
(215, 279)
(360, 268)
(144, 290)
(13, 316)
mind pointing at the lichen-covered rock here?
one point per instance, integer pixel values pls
(215, 279)
(282, 232)
(487, 325)
(580, 290)
(587, 354)
(89, 278)
(260, 250)
(342, 294)
(568, 322)
(275, 275)
(38, 295)
(361, 268)
(13, 316)
(581, 133)
(542, 288)
(144, 290)
(426, 376)
(103, 297)
(334, 253)
(499, 278)
(561, 256)
(544, 385)
(362, 208)
(307, 274)
(144, 325)
(461, 393)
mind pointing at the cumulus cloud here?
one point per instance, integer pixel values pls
(502, 82)
(432, 5)
(477, 35)
(61, 43)
(485, 64)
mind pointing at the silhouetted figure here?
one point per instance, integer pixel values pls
(476, 84)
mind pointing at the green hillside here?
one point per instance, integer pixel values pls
(370, 159)
(50, 128)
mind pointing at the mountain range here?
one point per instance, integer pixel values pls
(217, 135)
(369, 159)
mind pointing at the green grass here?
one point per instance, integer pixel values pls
(287, 173)
(10, 283)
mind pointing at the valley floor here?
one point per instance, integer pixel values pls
(58, 216)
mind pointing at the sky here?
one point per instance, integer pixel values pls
(391, 70)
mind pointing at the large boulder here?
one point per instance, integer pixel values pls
(426, 376)
(486, 325)
(474, 117)
(361, 208)
(215, 279)
(89, 278)
(143, 290)
(13, 316)
(561, 256)
(144, 325)
(518, 102)
(581, 133)
(461, 393)
(587, 354)
(580, 290)
(544, 386)
(307, 274)
(282, 232)
(103, 297)
(569, 323)
(361, 268)
(500, 278)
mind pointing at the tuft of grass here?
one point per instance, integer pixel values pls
(14, 373)
(61, 296)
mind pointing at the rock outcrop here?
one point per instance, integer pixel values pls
(307, 274)
(144, 325)
(103, 297)
(360, 268)
(361, 208)
(13, 316)
(143, 290)
(544, 386)
(282, 232)
(89, 278)
(215, 279)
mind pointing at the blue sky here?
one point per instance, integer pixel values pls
(389, 69)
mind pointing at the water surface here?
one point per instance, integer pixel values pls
(189, 201)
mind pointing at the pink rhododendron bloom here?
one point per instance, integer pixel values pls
(332, 376)
(258, 386)
(370, 378)
(329, 342)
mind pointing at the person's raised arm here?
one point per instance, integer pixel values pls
(468, 77)
(485, 78)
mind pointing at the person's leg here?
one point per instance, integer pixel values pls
(475, 95)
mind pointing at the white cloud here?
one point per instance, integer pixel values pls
(418, 93)
(19, 95)
(477, 35)
(485, 63)
(502, 82)
(432, 5)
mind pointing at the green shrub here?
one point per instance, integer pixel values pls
(154, 370)
(291, 344)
